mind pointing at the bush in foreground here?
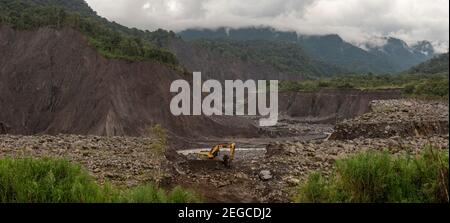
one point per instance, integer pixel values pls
(46, 180)
(380, 177)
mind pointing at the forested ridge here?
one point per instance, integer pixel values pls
(112, 40)
(439, 64)
(332, 50)
(283, 56)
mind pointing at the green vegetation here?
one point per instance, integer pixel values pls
(416, 85)
(436, 65)
(284, 57)
(58, 181)
(159, 146)
(381, 177)
(429, 80)
(337, 56)
(158, 132)
(112, 40)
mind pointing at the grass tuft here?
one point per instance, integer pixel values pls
(378, 177)
(46, 180)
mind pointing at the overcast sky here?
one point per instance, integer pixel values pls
(355, 20)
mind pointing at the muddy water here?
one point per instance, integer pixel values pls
(240, 153)
(249, 149)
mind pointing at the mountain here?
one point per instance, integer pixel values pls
(403, 56)
(394, 56)
(214, 64)
(280, 49)
(334, 50)
(423, 47)
(245, 58)
(285, 57)
(437, 65)
(243, 34)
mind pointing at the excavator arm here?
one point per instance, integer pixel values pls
(232, 150)
(214, 152)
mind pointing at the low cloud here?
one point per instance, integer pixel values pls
(356, 21)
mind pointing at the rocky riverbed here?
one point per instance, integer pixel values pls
(274, 177)
(270, 176)
(125, 161)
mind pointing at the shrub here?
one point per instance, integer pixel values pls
(380, 177)
(345, 86)
(28, 180)
(323, 84)
(433, 88)
(158, 147)
(159, 133)
(46, 180)
(429, 86)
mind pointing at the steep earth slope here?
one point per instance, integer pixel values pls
(401, 118)
(330, 105)
(52, 82)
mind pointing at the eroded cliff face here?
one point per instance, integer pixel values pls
(396, 118)
(52, 81)
(331, 105)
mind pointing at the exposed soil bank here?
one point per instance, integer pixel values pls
(331, 105)
(53, 82)
(397, 118)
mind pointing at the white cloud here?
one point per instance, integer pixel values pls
(355, 20)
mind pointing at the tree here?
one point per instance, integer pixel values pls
(60, 17)
(159, 147)
(74, 20)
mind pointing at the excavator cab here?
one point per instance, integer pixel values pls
(214, 153)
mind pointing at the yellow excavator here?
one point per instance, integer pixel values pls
(214, 153)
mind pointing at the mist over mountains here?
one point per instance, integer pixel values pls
(354, 20)
(393, 55)
(254, 52)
